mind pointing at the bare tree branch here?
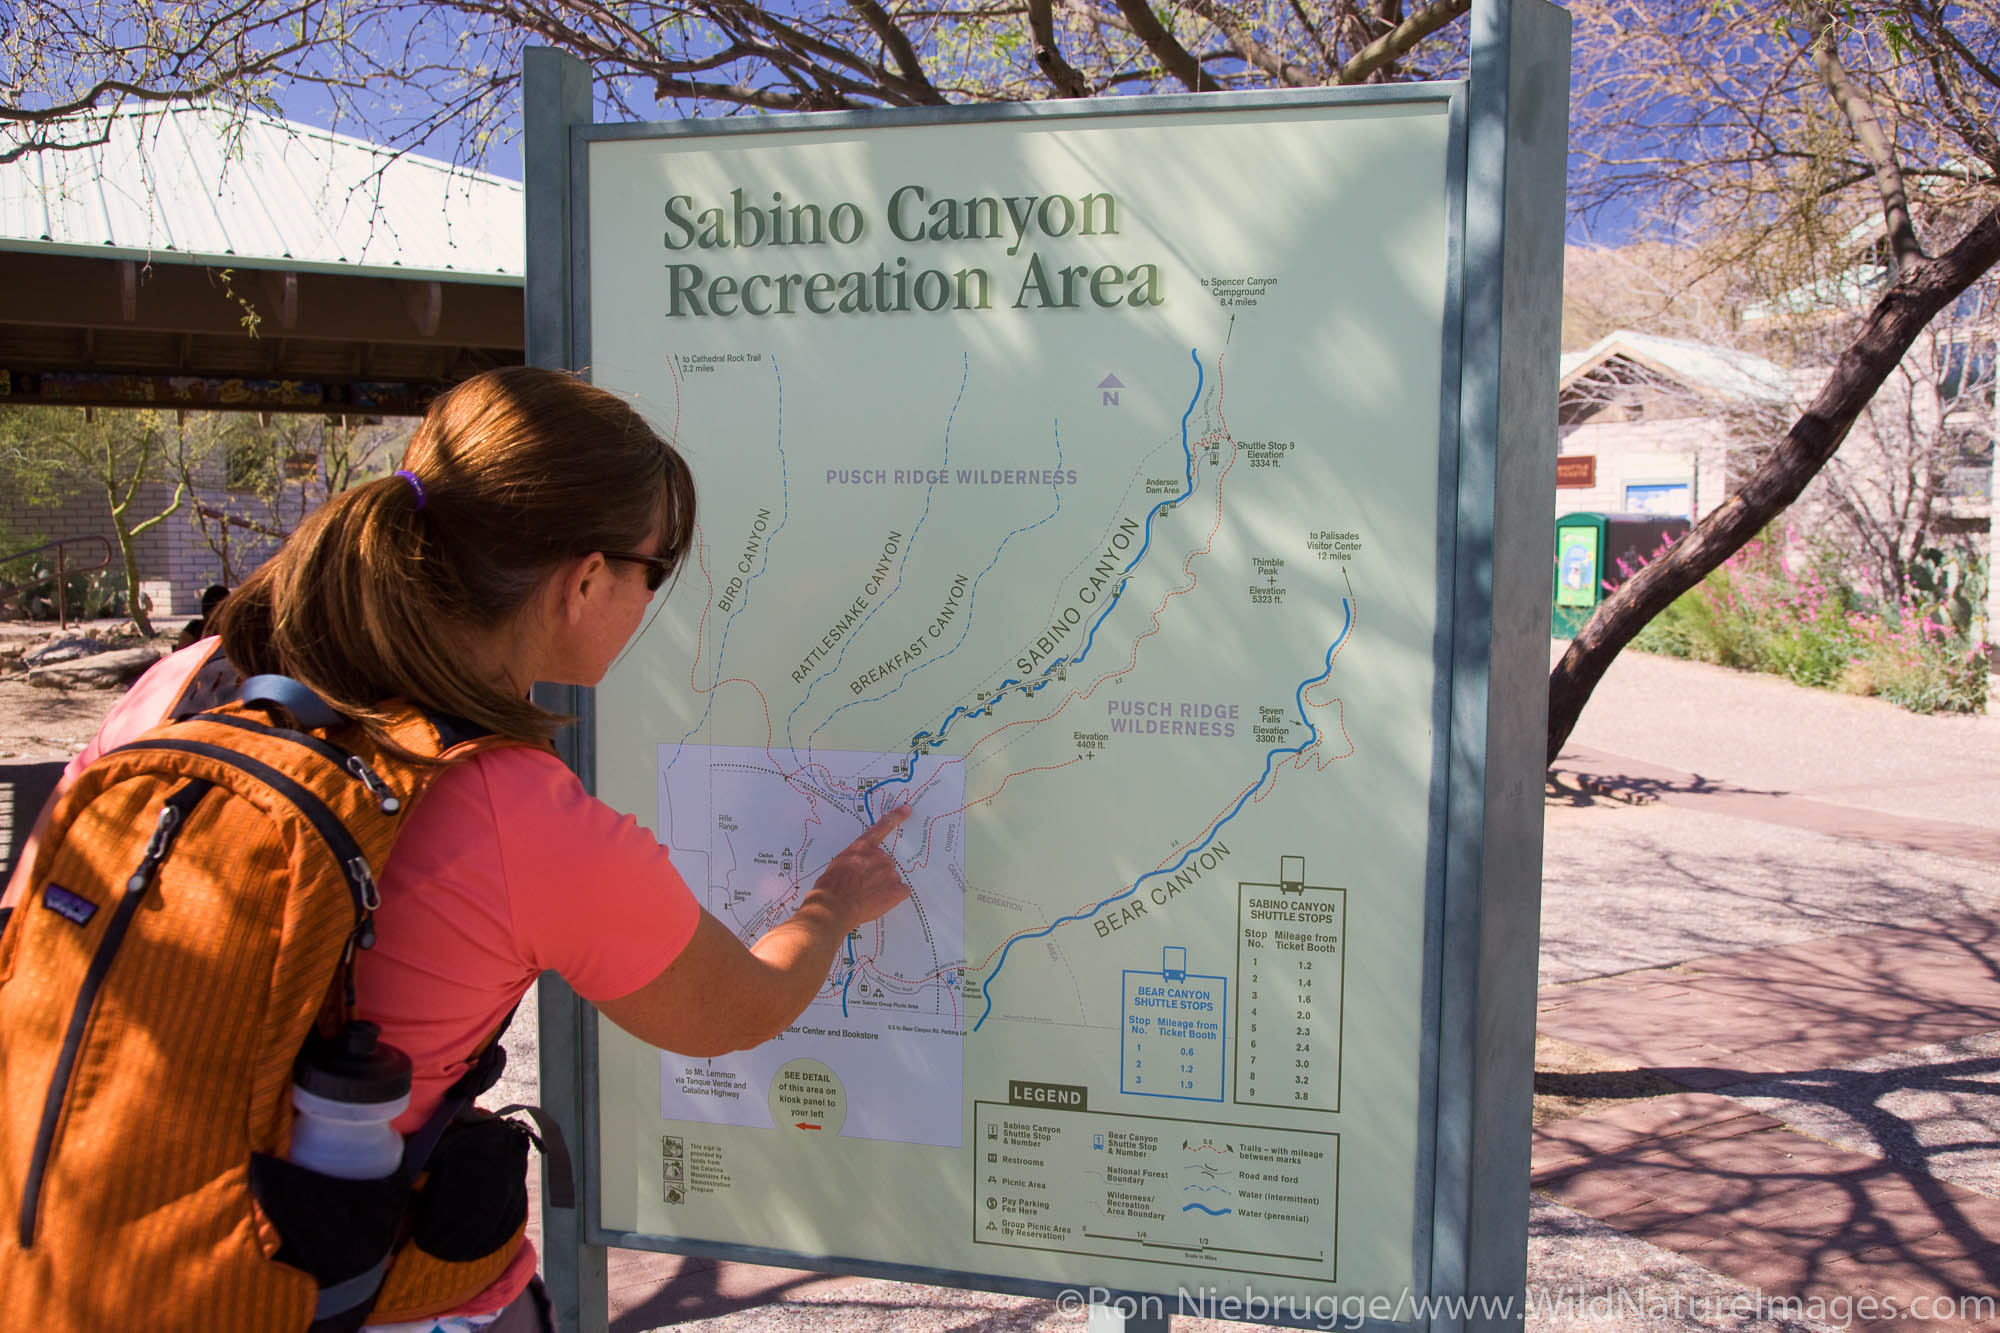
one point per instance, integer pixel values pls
(1240, 37)
(1042, 27)
(1393, 45)
(1173, 57)
(1867, 125)
(897, 43)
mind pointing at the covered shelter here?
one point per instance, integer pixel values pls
(202, 257)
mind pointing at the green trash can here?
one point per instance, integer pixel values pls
(1595, 552)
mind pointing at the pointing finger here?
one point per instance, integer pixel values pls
(888, 823)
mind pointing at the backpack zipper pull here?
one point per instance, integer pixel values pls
(371, 902)
(377, 788)
(156, 847)
(364, 881)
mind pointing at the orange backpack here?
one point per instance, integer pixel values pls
(189, 921)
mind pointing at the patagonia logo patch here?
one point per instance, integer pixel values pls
(69, 906)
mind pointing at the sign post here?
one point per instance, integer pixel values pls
(1154, 494)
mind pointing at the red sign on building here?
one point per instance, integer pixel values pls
(1576, 472)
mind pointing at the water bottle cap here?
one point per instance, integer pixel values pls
(356, 1066)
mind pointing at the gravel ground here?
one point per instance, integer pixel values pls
(1586, 1277)
(39, 723)
(1763, 733)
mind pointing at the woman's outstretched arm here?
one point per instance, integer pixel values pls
(717, 996)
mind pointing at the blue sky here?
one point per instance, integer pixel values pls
(311, 105)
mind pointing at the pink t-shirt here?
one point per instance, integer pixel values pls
(507, 869)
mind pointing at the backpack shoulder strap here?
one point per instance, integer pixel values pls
(312, 712)
(214, 683)
(435, 734)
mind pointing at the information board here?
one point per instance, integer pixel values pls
(1079, 490)
(1089, 480)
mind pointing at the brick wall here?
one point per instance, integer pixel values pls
(171, 553)
(176, 561)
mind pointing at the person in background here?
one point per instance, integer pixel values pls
(197, 629)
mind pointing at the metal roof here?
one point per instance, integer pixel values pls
(1715, 370)
(216, 186)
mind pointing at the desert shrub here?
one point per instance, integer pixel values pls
(86, 596)
(1803, 621)
(1927, 653)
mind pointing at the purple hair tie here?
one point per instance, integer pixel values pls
(415, 485)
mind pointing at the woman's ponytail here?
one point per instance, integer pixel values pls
(377, 593)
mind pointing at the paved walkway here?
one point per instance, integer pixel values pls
(1839, 1144)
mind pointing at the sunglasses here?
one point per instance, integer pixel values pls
(657, 566)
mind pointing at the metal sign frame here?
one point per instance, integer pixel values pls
(1496, 474)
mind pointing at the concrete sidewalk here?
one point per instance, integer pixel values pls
(1785, 902)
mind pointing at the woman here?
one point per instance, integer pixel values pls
(532, 523)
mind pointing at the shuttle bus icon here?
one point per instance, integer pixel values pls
(1291, 874)
(1173, 963)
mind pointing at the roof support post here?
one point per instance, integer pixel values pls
(283, 291)
(425, 302)
(128, 290)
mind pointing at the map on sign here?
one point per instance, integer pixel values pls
(750, 830)
(1093, 516)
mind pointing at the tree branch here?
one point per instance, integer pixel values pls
(897, 43)
(1174, 57)
(1867, 126)
(1068, 81)
(1312, 33)
(742, 94)
(1296, 76)
(1920, 292)
(1391, 46)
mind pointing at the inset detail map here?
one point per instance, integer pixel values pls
(751, 829)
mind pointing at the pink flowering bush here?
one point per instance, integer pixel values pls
(1923, 650)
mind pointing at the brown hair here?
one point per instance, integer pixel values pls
(371, 598)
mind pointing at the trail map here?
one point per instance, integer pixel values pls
(1078, 490)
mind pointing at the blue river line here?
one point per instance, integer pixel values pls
(847, 980)
(764, 562)
(1212, 1212)
(903, 563)
(1299, 700)
(928, 740)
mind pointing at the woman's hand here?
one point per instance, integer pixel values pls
(718, 996)
(863, 881)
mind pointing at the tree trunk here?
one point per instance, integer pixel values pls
(1923, 289)
(130, 554)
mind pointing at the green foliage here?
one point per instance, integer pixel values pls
(17, 539)
(86, 596)
(1759, 613)
(116, 453)
(1955, 584)
(1929, 656)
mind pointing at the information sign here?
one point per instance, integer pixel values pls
(1087, 481)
